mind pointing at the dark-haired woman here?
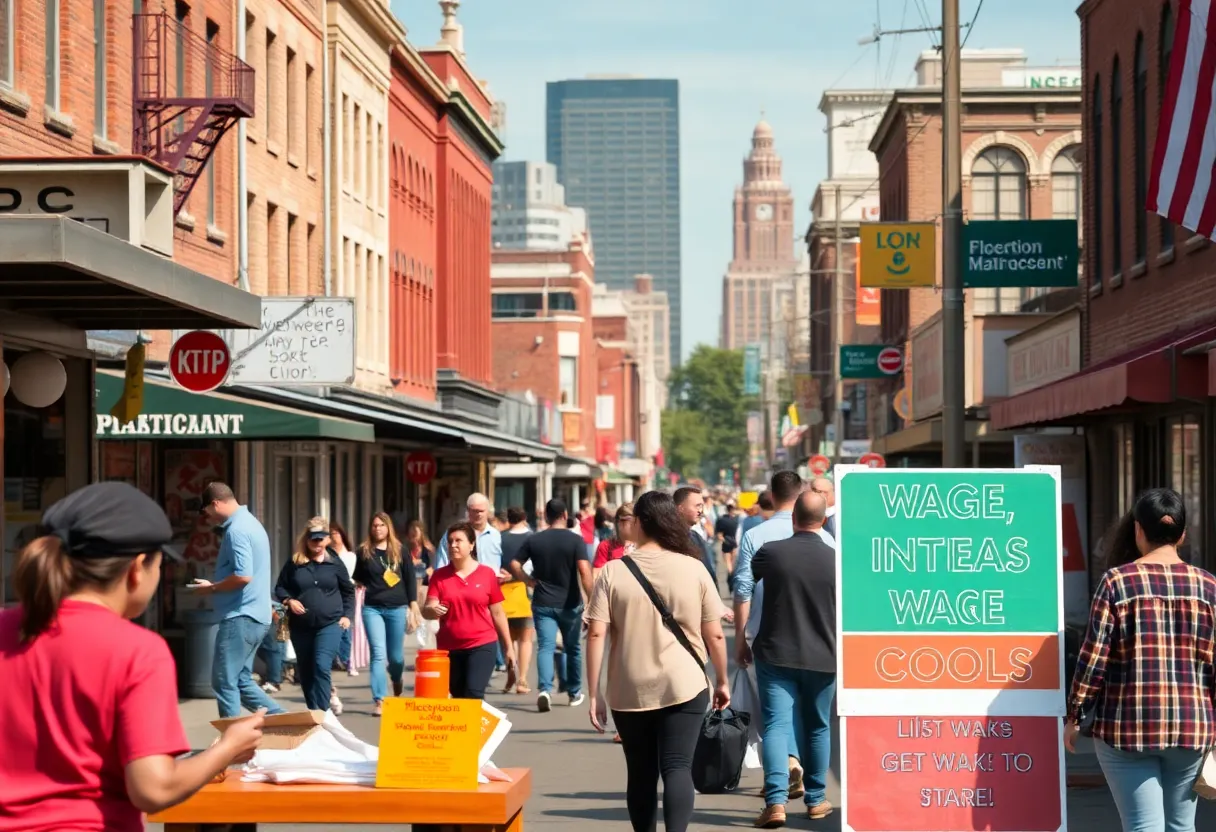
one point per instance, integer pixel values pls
(619, 543)
(466, 600)
(1146, 668)
(92, 732)
(656, 687)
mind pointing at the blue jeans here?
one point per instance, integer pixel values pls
(785, 691)
(236, 644)
(315, 651)
(271, 652)
(385, 628)
(548, 621)
(1152, 789)
(344, 647)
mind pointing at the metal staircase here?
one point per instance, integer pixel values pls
(180, 120)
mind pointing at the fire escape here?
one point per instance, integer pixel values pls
(188, 93)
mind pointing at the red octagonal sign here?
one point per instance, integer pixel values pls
(199, 361)
(890, 360)
(819, 464)
(421, 467)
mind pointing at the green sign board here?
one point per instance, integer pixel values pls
(858, 361)
(949, 552)
(751, 370)
(1016, 253)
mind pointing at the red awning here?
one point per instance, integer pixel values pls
(1153, 374)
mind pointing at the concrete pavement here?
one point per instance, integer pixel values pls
(579, 776)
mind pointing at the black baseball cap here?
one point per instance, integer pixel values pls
(318, 532)
(110, 519)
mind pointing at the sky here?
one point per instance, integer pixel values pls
(733, 59)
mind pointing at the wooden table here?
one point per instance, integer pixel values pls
(494, 807)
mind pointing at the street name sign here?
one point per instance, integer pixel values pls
(864, 361)
(1019, 253)
(897, 255)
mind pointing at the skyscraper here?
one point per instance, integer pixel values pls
(616, 144)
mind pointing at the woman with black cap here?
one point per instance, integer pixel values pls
(91, 727)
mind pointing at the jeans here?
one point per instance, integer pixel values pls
(661, 743)
(1153, 790)
(344, 647)
(385, 628)
(570, 670)
(469, 671)
(236, 644)
(785, 691)
(315, 651)
(271, 652)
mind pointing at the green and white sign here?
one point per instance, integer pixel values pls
(858, 361)
(1020, 253)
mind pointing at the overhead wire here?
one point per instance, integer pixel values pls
(971, 26)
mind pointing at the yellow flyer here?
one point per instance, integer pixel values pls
(494, 729)
(429, 744)
(515, 601)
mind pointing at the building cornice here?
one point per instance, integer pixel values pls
(405, 54)
(831, 97)
(471, 127)
(383, 23)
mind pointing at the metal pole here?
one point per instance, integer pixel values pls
(838, 330)
(954, 438)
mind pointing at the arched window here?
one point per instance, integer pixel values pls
(1066, 184)
(998, 185)
(1165, 52)
(1116, 174)
(1096, 178)
(1140, 117)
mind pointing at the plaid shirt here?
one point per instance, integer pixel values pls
(1147, 659)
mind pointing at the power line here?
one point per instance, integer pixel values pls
(971, 26)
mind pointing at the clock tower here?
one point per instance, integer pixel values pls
(763, 244)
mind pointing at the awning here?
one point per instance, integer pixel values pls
(926, 436)
(56, 268)
(172, 413)
(1157, 373)
(615, 477)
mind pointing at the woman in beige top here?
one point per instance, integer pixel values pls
(657, 690)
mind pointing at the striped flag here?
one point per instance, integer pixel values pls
(1181, 186)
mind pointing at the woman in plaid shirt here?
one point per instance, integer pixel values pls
(1146, 669)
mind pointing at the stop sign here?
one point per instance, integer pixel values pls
(890, 360)
(199, 361)
(421, 467)
(819, 464)
(873, 460)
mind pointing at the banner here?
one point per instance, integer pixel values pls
(751, 370)
(868, 304)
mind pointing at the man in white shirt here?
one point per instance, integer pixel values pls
(826, 489)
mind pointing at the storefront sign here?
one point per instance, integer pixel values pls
(951, 774)
(1045, 353)
(862, 361)
(898, 255)
(421, 467)
(927, 370)
(199, 361)
(168, 425)
(868, 308)
(303, 341)
(1042, 78)
(1017, 253)
(429, 744)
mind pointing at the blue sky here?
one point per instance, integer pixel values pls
(732, 58)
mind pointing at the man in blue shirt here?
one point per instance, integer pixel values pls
(241, 599)
(764, 510)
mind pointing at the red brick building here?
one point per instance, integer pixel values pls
(618, 387)
(1144, 397)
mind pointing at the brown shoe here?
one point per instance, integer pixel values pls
(773, 817)
(820, 810)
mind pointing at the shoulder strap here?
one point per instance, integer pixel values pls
(669, 620)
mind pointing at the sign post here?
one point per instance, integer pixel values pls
(950, 649)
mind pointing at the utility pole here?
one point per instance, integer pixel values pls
(954, 425)
(838, 331)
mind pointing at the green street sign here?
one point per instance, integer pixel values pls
(924, 551)
(1017, 253)
(861, 361)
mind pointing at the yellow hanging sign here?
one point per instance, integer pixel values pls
(898, 255)
(131, 403)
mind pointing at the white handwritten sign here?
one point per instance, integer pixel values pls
(303, 341)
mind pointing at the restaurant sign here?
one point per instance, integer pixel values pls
(167, 425)
(1020, 253)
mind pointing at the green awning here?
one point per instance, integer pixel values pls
(614, 477)
(172, 413)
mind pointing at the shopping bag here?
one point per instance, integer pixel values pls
(515, 601)
(717, 762)
(1205, 783)
(745, 699)
(289, 651)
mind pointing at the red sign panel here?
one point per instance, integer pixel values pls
(819, 464)
(869, 299)
(890, 360)
(421, 467)
(952, 774)
(872, 460)
(199, 361)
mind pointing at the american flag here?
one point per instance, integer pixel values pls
(1181, 187)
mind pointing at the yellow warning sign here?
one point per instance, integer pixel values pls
(898, 255)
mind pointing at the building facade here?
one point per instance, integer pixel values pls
(530, 210)
(616, 145)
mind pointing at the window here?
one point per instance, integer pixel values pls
(182, 12)
(346, 145)
(567, 380)
(273, 113)
(1140, 117)
(1066, 184)
(1185, 474)
(1125, 468)
(6, 42)
(1095, 173)
(293, 247)
(293, 105)
(998, 192)
(311, 94)
(1166, 53)
(516, 305)
(52, 53)
(1116, 172)
(561, 302)
(99, 65)
(213, 33)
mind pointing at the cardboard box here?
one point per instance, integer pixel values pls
(282, 732)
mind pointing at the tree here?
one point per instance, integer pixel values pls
(705, 428)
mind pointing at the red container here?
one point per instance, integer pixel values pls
(431, 670)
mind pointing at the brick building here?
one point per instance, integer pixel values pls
(1144, 397)
(618, 382)
(1021, 149)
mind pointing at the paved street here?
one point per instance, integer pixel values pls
(579, 776)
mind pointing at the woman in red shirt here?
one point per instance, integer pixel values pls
(617, 546)
(464, 597)
(92, 732)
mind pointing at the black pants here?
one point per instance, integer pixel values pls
(470, 670)
(661, 743)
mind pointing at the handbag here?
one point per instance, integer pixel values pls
(1205, 783)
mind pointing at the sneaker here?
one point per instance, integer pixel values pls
(335, 704)
(797, 790)
(270, 687)
(377, 708)
(352, 671)
(773, 817)
(819, 811)
(542, 702)
(576, 699)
